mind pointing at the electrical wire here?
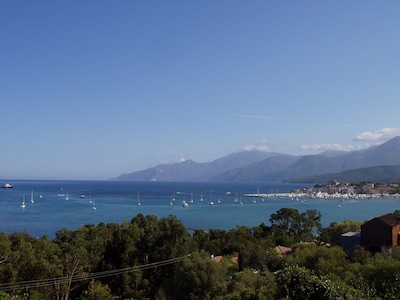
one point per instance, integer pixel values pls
(81, 277)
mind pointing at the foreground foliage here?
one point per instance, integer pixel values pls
(159, 259)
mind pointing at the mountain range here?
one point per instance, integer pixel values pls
(378, 164)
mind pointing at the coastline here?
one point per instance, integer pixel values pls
(324, 195)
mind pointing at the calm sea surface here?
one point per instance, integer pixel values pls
(118, 201)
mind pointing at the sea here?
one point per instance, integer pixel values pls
(73, 204)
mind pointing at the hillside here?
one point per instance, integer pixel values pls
(381, 174)
(190, 170)
(270, 166)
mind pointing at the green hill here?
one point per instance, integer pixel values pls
(381, 174)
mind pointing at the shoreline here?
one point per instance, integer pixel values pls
(321, 195)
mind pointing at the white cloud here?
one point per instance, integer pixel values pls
(378, 136)
(259, 145)
(325, 147)
(369, 137)
(172, 159)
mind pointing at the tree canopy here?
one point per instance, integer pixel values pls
(160, 259)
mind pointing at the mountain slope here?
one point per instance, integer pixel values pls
(381, 174)
(312, 165)
(269, 166)
(192, 171)
(258, 171)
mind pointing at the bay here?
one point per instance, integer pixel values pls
(116, 202)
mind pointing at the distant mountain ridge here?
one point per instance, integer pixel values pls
(193, 171)
(381, 174)
(270, 166)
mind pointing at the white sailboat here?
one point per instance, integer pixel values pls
(236, 200)
(32, 200)
(138, 199)
(23, 202)
(93, 207)
(211, 202)
(67, 197)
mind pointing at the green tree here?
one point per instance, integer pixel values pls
(160, 240)
(381, 275)
(199, 277)
(300, 283)
(311, 224)
(252, 285)
(32, 259)
(97, 291)
(4, 296)
(288, 225)
(330, 262)
(333, 233)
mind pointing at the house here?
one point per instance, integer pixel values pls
(349, 241)
(217, 258)
(282, 250)
(380, 232)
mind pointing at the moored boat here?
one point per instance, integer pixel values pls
(32, 200)
(23, 202)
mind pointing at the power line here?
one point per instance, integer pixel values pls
(81, 277)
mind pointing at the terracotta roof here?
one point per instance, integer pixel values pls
(216, 258)
(282, 250)
(235, 259)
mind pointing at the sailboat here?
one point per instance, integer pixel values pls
(23, 202)
(236, 200)
(32, 201)
(138, 200)
(93, 207)
(211, 202)
(67, 197)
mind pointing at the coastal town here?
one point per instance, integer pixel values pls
(340, 190)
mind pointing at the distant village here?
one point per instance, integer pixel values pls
(340, 190)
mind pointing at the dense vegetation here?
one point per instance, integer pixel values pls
(159, 259)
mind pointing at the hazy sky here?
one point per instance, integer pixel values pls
(94, 89)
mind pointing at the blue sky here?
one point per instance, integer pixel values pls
(94, 89)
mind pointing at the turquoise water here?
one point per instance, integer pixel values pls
(118, 201)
